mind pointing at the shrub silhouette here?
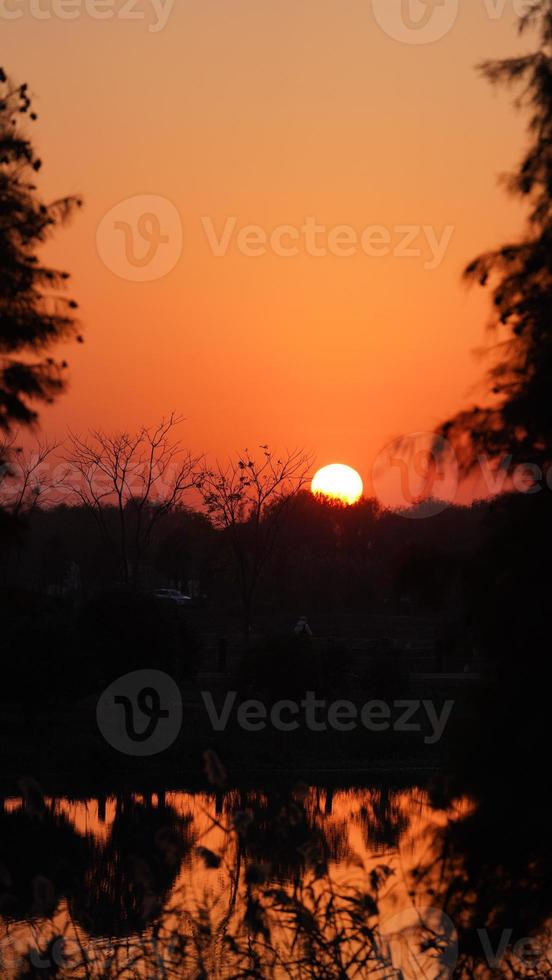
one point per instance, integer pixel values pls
(119, 632)
(288, 666)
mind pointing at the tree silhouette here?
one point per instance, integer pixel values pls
(516, 421)
(34, 316)
(248, 499)
(143, 475)
(27, 481)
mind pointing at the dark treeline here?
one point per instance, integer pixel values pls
(384, 594)
(325, 557)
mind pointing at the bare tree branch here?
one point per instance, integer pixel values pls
(27, 479)
(247, 498)
(143, 476)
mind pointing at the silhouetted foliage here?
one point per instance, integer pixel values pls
(42, 859)
(330, 564)
(497, 857)
(386, 677)
(248, 500)
(118, 632)
(36, 647)
(516, 420)
(128, 880)
(287, 666)
(141, 477)
(34, 315)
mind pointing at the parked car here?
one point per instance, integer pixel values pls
(173, 595)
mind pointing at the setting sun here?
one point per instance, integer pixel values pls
(338, 481)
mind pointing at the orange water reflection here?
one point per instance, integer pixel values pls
(360, 830)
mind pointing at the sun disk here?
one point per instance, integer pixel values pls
(339, 482)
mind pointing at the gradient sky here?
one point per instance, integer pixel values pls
(272, 112)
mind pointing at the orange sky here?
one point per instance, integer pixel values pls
(272, 112)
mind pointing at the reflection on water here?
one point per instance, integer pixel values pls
(277, 883)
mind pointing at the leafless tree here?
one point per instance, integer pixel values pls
(248, 499)
(142, 476)
(27, 477)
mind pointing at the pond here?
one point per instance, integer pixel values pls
(287, 881)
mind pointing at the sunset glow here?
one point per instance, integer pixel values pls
(339, 482)
(316, 144)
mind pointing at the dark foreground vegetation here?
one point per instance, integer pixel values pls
(326, 560)
(385, 598)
